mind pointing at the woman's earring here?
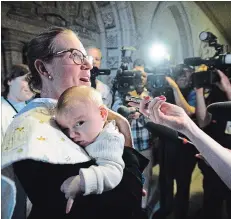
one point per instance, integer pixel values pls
(50, 78)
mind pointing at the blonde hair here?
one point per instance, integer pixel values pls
(81, 94)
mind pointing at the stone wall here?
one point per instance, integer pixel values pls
(107, 25)
(23, 20)
(175, 24)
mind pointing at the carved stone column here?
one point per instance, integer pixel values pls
(13, 52)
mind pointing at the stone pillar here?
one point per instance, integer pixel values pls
(13, 52)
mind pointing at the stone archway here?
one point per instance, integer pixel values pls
(181, 20)
(117, 29)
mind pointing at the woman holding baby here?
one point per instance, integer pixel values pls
(48, 163)
(44, 157)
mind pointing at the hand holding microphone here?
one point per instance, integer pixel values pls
(129, 112)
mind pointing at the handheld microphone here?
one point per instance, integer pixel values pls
(125, 111)
(165, 132)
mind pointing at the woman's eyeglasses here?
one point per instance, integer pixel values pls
(77, 56)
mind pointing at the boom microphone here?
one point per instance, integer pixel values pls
(165, 132)
(197, 61)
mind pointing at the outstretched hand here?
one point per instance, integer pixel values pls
(164, 113)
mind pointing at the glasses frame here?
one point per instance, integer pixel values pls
(71, 51)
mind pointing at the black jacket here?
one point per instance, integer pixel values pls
(42, 182)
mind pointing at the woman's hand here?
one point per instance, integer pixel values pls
(123, 125)
(171, 83)
(164, 113)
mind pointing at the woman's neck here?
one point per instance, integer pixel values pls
(13, 98)
(48, 93)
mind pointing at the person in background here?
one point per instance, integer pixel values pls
(184, 94)
(100, 86)
(141, 137)
(180, 160)
(14, 97)
(215, 191)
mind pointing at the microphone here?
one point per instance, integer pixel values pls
(165, 132)
(96, 72)
(220, 60)
(125, 112)
(195, 61)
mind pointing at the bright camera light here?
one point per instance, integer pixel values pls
(159, 52)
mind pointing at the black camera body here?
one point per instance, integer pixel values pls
(218, 61)
(207, 78)
(157, 78)
(126, 81)
(156, 82)
(96, 72)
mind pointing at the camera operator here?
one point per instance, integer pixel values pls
(100, 86)
(215, 191)
(178, 161)
(215, 95)
(181, 89)
(141, 136)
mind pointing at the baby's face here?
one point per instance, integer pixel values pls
(82, 122)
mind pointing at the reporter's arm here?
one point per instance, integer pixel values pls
(217, 156)
(228, 93)
(179, 98)
(224, 84)
(202, 115)
(180, 101)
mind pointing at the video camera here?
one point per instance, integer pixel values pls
(156, 82)
(97, 72)
(218, 61)
(127, 80)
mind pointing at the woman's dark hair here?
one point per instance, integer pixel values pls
(138, 62)
(40, 47)
(16, 71)
(180, 69)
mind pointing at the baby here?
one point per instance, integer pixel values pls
(82, 116)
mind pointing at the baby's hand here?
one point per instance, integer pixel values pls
(71, 188)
